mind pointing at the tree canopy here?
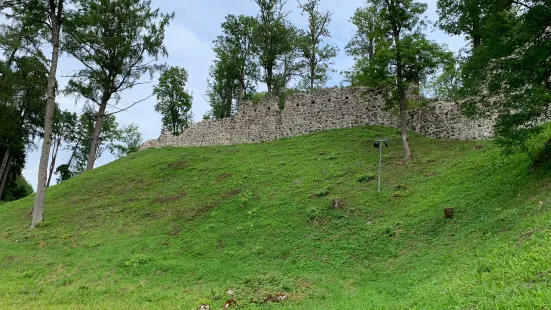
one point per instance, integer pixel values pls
(173, 100)
(510, 73)
(392, 54)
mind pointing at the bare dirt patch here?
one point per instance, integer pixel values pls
(171, 198)
(224, 176)
(182, 164)
(234, 192)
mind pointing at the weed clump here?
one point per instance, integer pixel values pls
(365, 178)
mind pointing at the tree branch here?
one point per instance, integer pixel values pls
(122, 110)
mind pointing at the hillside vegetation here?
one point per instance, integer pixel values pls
(174, 228)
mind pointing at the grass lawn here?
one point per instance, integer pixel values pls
(176, 227)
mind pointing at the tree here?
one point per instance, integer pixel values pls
(509, 75)
(221, 89)
(22, 107)
(117, 41)
(173, 100)
(18, 189)
(463, 17)
(47, 17)
(129, 140)
(446, 85)
(234, 73)
(36, 19)
(317, 57)
(290, 65)
(272, 38)
(12, 142)
(65, 124)
(398, 54)
(78, 140)
(370, 40)
(236, 50)
(23, 89)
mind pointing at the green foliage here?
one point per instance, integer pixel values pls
(275, 40)
(63, 130)
(509, 74)
(64, 124)
(464, 17)
(64, 173)
(364, 178)
(173, 100)
(20, 188)
(316, 58)
(235, 70)
(23, 79)
(79, 142)
(375, 48)
(221, 91)
(117, 42)
(137, 260)
(23, 85)
(257, 97)
(445, 85)
(392, 54)
(105, 234)
(129, 138)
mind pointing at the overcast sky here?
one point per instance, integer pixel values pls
(189, 42)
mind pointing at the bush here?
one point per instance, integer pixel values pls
(17, 189)
(364, 178)
(256, 98)
(539, 147)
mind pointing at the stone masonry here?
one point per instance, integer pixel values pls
(329, 108)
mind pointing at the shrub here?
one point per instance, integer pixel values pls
(364, 178)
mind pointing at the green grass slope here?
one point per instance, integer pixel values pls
(176, 227)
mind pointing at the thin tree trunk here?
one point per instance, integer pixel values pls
(269, 79)
(38, 210)
(241, 91)
(73, 153)
(97, 133)
(402, 97)
(404, 130)
(4, 162)
(52, 164)
(475, 34)
(5, 177)
(477, 40)
(312, 73)
(313, 65)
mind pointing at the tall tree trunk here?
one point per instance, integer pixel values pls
(241, 91)
(477, 40)
(38, 210)
(4, 177)
(312, 73)
(269, 79)
(4, 162)
(401, 96)
(73, 153)
(475, 33)
(313, 66)
(97, 132)
(52, 164)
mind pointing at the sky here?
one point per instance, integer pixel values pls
(189, 42)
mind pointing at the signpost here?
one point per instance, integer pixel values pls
(379, 144)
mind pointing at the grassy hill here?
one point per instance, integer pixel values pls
(176, 227)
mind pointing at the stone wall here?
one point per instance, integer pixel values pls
(329, 108)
